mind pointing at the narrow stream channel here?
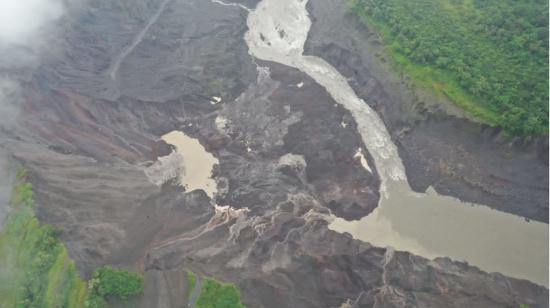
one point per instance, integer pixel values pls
(426, 224)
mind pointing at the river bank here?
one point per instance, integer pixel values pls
(439, 146)
(287, 153)
(434, 223)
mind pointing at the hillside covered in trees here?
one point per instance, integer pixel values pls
(490, 57)
(36, 270)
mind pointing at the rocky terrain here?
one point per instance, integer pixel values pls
(439, 145)
(131, 71)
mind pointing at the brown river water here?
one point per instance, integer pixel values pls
(197, 162)
(427, 224)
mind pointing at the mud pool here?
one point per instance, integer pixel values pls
(196, 172)
(427, 224)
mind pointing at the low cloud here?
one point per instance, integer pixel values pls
(26, 31)
(9, 103)
(22, 20)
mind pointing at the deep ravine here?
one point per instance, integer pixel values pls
(427, 224)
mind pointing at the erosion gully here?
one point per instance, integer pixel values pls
(426, 224)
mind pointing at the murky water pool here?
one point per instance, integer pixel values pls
(197, 163)
(432, 225)
(426, 224)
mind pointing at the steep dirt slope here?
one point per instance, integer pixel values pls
(285, 159)
(438, 145)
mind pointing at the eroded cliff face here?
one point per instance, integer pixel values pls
(89, 127)
(438, 144)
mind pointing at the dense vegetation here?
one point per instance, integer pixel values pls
(35, 270)
(107, 281)
(218, 295)
(191, 283)
(488, 56)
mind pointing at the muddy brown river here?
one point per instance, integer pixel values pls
(197, 162)
(426, 224)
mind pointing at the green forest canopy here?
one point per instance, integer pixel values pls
(488, 56)
(36, 271)
(215, 294)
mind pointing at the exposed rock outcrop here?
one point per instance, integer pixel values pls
(438, 145)
(87, 138)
